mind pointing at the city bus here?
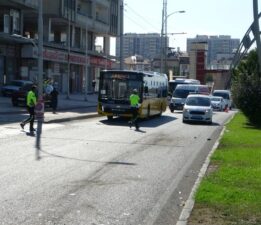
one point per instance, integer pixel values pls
(173, 83)
(116, 86)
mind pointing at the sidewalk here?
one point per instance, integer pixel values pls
(76, 107)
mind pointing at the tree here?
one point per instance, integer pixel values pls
(246, 88)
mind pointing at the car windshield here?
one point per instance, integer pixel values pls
(221, 94)
(16, 83)
(198, 101)
(182, 93)
(26, 87)
(216, 99)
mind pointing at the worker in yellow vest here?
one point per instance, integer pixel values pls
(134, 102)
(30, 104)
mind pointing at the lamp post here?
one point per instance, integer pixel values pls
(164, 24)
(86, 62)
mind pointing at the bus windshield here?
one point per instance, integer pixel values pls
(118, 87)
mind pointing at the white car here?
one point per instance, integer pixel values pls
(198, 108)
(226, 95)
(218, 103)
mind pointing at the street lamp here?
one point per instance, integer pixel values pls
(164, 23)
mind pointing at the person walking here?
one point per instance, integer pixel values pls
(30, 104)
(54, 99)
(134, 102)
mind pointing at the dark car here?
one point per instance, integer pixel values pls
(14, 86)
(19, 97)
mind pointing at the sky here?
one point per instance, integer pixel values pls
(201, 17)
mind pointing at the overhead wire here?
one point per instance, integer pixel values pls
(140, 16)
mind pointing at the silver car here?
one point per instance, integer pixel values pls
(218, 103)
(198, 108)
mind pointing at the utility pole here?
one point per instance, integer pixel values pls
(161, 42)
(69, 47)
(86, 62)
(121, 35)
(163, 37)
(166, 37)
(40, 48)
(40, 104)
(257, 32)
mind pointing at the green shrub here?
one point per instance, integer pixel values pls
(246, 88)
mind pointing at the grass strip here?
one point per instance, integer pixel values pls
(232, 190)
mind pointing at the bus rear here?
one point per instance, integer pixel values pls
(115, 87)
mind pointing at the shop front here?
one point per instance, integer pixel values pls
(57, 64)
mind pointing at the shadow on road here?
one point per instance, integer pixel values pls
(152, 122)
(48, 154)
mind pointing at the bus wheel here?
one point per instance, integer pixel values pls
(148, 112)
(109, 117)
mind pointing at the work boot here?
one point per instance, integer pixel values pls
(22, 125)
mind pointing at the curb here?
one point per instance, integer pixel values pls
(67, 119)
(187, 209)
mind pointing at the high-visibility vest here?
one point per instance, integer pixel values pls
(31, 99)
(134, 100)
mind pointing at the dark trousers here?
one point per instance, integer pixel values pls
(134, 119)
(30, 119)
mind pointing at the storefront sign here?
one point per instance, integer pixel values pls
(98, 61)
(62, 56)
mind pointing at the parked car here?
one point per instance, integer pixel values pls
(197, 108)
(226, 95)
(13, 86)
(218, 103)
(19, 97)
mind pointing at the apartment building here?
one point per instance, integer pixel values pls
(147, 45)
(71, 29)
(198, 61)
(222, 45)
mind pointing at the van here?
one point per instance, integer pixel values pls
(226, 94)
(173, 83)
(182, 91)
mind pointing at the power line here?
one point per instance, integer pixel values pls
(143, 18)
(136, 23)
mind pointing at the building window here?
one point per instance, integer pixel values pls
(15, 21)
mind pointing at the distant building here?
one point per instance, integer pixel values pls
(218, 46)
(146, 45)
(198, 58)
(137, 62)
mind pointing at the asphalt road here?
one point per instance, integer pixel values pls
(98, 172)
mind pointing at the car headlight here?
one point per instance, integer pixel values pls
(207, 111)
(186, 110)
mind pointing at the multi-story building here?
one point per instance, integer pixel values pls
(70, 32)
(197, 61)
(217, 45)
(147, 45)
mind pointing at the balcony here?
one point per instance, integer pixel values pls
(23, 4)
